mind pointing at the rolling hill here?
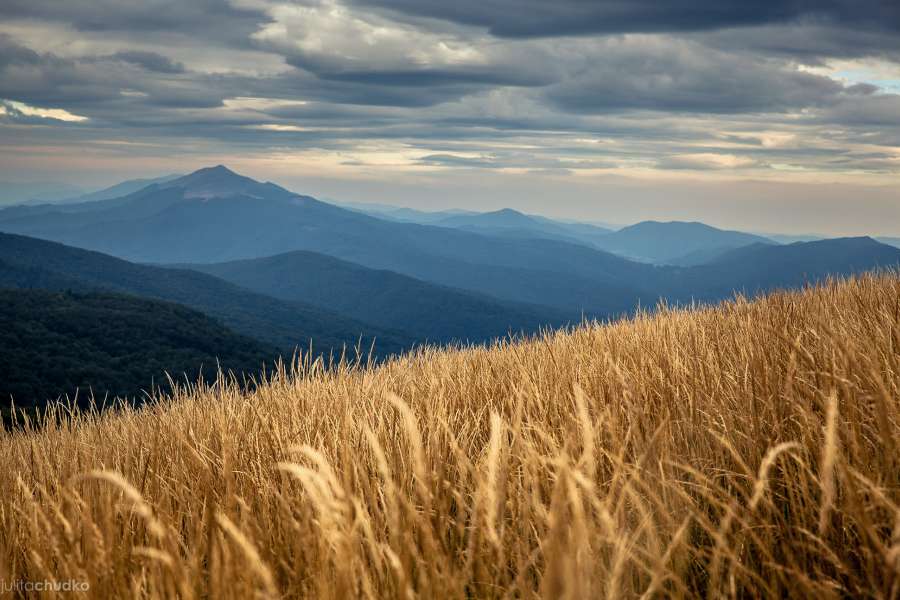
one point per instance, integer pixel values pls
(401, 213)
(120, 189)
(759, 268)
(740, 451)
(674, 241)
(890, 241)
(55, 344)
(384, 298)
(512, 223)
(12, 193)
(31, 263)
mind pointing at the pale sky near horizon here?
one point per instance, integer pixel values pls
(776, 116)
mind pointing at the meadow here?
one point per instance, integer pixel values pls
(747, 449)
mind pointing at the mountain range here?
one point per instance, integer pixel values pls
(29, 263)
(675, 242)
(430, 312)
(512, 223)
(288, 270)
(35, 192)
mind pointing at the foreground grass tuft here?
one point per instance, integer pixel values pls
(746, 450)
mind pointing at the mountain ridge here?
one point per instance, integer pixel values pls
(441, 314)
(166, 225)
(670, 241)
(30, 263)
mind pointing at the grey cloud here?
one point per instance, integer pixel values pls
(512, 160)
(540, 18)
(644, 99)
(808, 42)
(676, 75)
(150, 61)
(694, 163)
(96, 84)
(307, 86)
(495, 75)
(216, 19)
(879, 110)
(13, 53)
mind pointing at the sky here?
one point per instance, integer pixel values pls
(772, 115)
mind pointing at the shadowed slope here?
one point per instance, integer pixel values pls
(31, 263)
(384, 298)
(55, 344)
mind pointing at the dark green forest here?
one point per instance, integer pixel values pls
(57, 344)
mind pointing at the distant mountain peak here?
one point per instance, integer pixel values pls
(508, 212)
(669, 225)
(206, 174)
(221, 182)
(216, 171)
(505, 217)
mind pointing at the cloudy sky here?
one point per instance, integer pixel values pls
(767, 115)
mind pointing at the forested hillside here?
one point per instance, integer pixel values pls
(56, 344)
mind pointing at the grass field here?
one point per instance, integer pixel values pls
(746, 450)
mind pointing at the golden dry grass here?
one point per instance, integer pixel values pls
(746, 450)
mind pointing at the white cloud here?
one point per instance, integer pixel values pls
(331, 34)
(10, 107)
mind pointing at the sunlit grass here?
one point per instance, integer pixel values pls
(744, 450)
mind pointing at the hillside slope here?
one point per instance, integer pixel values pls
(759, 268)
(31, 263)
(512, 223)
(747, 450)
(55, 344)
(674, 242)
(384, 298)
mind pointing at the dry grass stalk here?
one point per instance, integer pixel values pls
(742, 450)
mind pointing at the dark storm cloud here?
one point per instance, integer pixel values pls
(99, 86)
(370, 93)
(13, 53)
(207, 18)
(685, 77)
(506, 160)
(872, 112)
(422, 77)
(811, 43)
(542, 18)
(418, 77)
(150, 61)
(45, 79)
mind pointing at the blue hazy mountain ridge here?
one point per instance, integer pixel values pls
(504, 222)
(424, 217)
(763, 267)
(120, 189)
(509, 222)
(700, 257)
(649, 241)
(674, 241)
(401, 213)
(384, 298)
(29, 263)
(65, 195)
(13, 193)
(215, 215)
